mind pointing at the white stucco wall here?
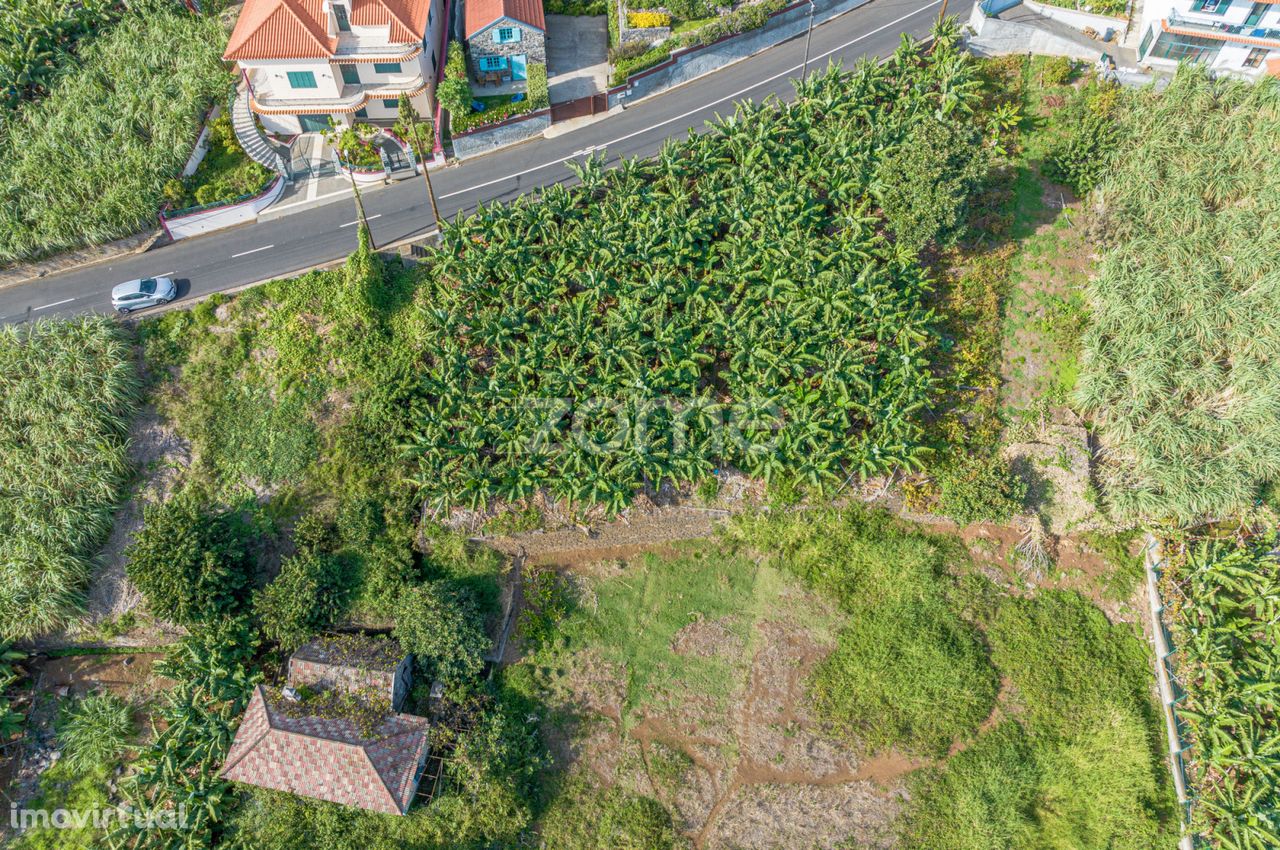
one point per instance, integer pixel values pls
(223, 217)
(1231, 57)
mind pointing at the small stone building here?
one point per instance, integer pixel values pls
(311, 738)
(504, 37)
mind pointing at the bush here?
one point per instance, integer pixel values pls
(225, 174)
(577, 7)
(627, 66)
(441, 629)
(924, 183)
(1081, 157)
(311, 593)
(192, 562)
(980, 488)
(95, 730)
(454, 91)
(539, 95)
(1056, 70)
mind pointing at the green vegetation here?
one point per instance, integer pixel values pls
(66, 389)
(907, 671)
(550, 301)
(1177, 368)
(1078, 767)
(62, 787)
(310, 594)
(191, 561)
(225, 174)
(576, 7)
(584, 817)
(1221, 602)
(454, 91)
(38, 39)
(95, 730)
(10, 717)
(89, 161)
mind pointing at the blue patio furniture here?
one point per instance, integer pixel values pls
(478, 106)
(517, 97)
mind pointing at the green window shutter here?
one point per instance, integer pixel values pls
(391, 103)
(386, 67)
(302, 80)
(350, 74)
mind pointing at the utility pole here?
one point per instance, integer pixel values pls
(808, 37)
(364, 222)
(942, 13)
(410, 121)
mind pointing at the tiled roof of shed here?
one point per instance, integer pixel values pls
(328, 759)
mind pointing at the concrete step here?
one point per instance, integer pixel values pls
(250, 137)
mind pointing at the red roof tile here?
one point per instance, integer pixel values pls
(328, 759)
(298, 29)
(482, 13)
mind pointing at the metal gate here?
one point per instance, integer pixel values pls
(592, 104)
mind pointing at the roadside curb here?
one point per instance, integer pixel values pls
(191, 301)
(143, 247)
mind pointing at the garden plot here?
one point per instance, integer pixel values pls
(683, 677)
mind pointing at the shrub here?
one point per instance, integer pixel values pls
(627, 50)
(576, 7)
(980, 488)
(454, 91)
(628, 65)
(66, 390)
(192, 562)
(924, 183)
(95, 730)
(644, 20)
(10, 718)
(441, 629)
(1056, 70)
(539, 96)
(1081, 157)
(311, 593)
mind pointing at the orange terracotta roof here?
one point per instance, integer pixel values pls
(1220, 36)
(482, 13)
(299, 29)
(328, 759)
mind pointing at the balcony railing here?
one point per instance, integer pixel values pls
(351, 98)
(1241, 30)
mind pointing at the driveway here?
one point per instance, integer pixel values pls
(577, 56)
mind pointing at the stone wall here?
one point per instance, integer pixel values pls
(531, 44)
(316, 674)
(508, 133)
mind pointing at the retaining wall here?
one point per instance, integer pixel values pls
(508, 132)
(994, 37)
(691, 62)
(1076, 19)
(218, 218)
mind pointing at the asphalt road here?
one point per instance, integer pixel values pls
(257, 252)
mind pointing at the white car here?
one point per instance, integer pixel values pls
(139, 294)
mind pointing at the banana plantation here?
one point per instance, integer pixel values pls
(37, 38)
(1223, 604)
(733, 302)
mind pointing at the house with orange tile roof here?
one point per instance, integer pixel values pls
(307, 62)
(504, 37)
(336, 732)
(1239, 37)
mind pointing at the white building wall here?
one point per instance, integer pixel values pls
(1232, 56)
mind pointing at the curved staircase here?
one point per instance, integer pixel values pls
(251, 139)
